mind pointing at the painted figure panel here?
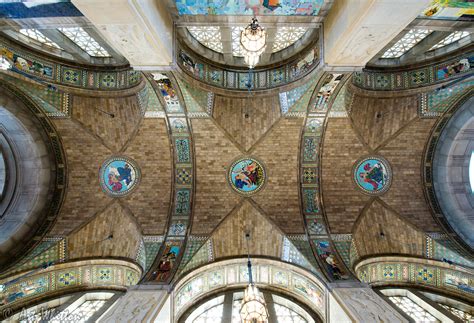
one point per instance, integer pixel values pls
(249, 7)
(246, 176)
(119, 176)
(372, 175)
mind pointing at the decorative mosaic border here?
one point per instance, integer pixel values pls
(238, 79)
(429, 190)
(61, 170)
(387, 166)
(234, 273)
(434, 103)
(43, 95)
(390, 271)
(180, 216)
(103, 168)
(20, 290)
(424, 76)
(45, 70)
(310, 158)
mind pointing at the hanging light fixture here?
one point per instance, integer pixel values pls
(253, 308)
(253, 42)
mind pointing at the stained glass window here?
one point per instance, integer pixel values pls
(461, 314)
(413, 310)
(410, 39)
(451, 38)
(287, 36)
(39, 37)
(82, 39)
(209, 36)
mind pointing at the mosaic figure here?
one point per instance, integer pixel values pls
(246, 176)
(118, 176)
(33, 67)
(450, 70)
(372, 175)
(327, 255)
(167, 261)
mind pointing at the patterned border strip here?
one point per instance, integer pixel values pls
(424, 76)
(54, 102)
(180, 216)
(58, 193)
(389, 271)
(429, 189)
(310, 156)
(44, 70)
(238, 79)
(20, 290)
(434, 103)
(234, 273)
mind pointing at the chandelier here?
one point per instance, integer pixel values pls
(253, 308)
(253, 42)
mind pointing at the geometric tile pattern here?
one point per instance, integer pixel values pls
(259, 79)
(342, 243)
(54, 102)
(173, 248)
(423, 76)
(107, 274)
(416, 271)
(291, 254)
(44, 255)
(316, 225)
(290, 98)
(442, 249)
(42, 70)
(203, 255)
(438, 101)
(196, 100)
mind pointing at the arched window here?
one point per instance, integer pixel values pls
(226, 308)
(80, 307)
(428, 307)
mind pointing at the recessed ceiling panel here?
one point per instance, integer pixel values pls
(250, 7)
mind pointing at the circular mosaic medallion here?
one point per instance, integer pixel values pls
(373, 175)
(119, 176)
(247, 176)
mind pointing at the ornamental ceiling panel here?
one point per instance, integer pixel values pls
(405, 154)
(342, 201)
(246, 120)
(279, 152)
(229, 238)
(151, 200)
(214, 198)
(84, 197)
(398, 236)
(112, 233)
(113, 120)
(381, 118)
